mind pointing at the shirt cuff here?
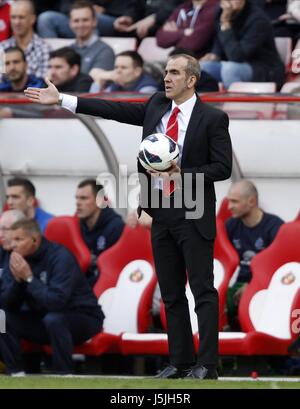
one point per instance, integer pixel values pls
(69, 102)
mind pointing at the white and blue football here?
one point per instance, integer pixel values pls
(157, 151)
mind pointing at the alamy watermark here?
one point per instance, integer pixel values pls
(2, 322)
(130, 189)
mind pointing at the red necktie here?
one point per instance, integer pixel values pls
(172, 132)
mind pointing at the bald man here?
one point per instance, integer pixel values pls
(250, 230)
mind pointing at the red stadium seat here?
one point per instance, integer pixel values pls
(267, 308)
(65, 230)
(284, 48)
(224, 213)
(124, 290)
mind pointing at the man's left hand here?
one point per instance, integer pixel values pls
(167, 173)
(19, 267)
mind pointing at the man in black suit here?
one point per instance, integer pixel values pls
(181, 246)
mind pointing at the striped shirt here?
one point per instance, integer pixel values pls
(37, 54)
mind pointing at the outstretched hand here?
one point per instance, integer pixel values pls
(45, 96)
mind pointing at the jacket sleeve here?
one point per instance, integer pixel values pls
(220, 153)
(241, 50)
(11, 292)
(165, 9)
(126, 112)
(55, 295)
(166, 38)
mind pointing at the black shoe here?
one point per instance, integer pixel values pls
(200, 372)
(171, 372)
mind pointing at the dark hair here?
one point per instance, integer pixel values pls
(83, 4)
(192, 66)
(135, 56)
(25, 183)
(68, 54)
(31, 4)
(29, 225)
(96, 188)
(14, 49)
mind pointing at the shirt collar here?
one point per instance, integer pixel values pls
(186, 107)
(89, 42)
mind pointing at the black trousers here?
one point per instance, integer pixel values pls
(179, 249)
(62, 330)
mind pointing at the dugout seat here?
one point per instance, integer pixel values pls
(226, 261)
(124, 289)
(65, 230)
(223, 212)
(267, 310)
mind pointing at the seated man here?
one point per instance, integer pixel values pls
(94, 52)
(244, 48)
(128, 75)
(36, 50)
(16, 78)
(100, 228)
(250, 230)
(46, 300)
(20, 195)
(64, 71)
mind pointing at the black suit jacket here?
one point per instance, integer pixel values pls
(207, 146)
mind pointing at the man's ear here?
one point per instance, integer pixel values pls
(192, 81)
(31, 201)
(138, 71)
(75, 70)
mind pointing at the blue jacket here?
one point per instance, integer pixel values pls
(58, 284)
(4, 259)
(42, 218)
(32, 81)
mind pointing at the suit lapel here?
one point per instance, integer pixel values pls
(156, 116)
(192, 129)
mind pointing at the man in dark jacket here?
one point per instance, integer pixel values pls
(64, 71)
(16, 78)
(244, 49)
(100, 228)
(182, 234)
(46, 299)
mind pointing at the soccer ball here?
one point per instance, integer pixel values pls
(157, 151)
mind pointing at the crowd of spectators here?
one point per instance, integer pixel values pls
(233, 40)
